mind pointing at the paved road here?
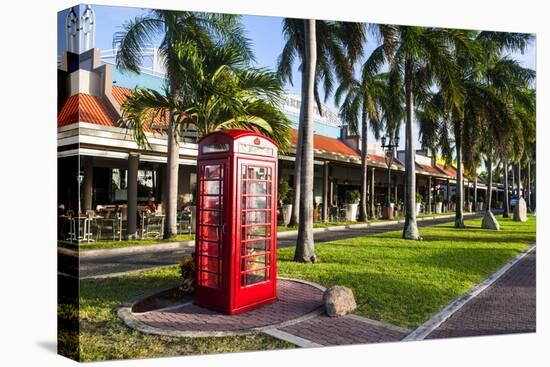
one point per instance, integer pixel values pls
(126, 262)
(507, 306)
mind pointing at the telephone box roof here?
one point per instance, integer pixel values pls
(237, 134)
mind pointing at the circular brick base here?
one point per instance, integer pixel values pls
(298, 301)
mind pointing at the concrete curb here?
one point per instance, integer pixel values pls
(378, 323)
(126, 314)
(89, 254)
(429, 326)
(122, 273)
(290, 338)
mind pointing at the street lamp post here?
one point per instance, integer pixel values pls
(389, 144)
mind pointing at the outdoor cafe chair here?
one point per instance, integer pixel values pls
(152, 225)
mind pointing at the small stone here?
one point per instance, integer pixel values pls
(490, 222)
(520, 211)
(339, 301)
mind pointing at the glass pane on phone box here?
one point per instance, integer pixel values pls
(251, 263)
(258, 188)
(208, 264)
(210, 233)
(255, 202)
(211, 217)
(212, 172)
(254, 277)
(256, 217)
(212, 202)
(208, 280)
(255, 247)
(255, 232)
(210, 248)
(212, 187)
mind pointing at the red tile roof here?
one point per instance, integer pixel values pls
(120, 94)
(87, 108)
(431, 169)
(449, 171)
(330, 145)
(83, 108)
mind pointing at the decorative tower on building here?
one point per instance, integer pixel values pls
(80, 30)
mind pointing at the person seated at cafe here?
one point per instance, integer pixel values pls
(151, 206)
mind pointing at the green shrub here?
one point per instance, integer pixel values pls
(284, 192)
(353, 196)
(188, 274)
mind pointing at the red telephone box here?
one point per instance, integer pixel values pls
(236, 236)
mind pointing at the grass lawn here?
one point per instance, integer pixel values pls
(404, 282)
(103, 336)
(118, 244)
(397, 281)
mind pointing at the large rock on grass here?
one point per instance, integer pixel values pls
(520, 211)
(490, 222)
(339, 301)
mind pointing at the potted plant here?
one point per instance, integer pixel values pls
(418, 203)
(284, 194)
(438, 203)
(479, 206)
(352, 202)
(388, 212)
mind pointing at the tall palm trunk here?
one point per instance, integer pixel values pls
(489, 183)
(475, 189)
(529, 206)
(305, 250)
(518, 178)
(506, 213)
(298, 161)
(410, 231)
(364, 173)
(459, 216)
(171, 229)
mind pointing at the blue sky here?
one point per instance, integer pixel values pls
(264, 32)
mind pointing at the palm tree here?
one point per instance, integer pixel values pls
(482, 111)
(337, 45)
(423, 58)
(174, 27)
(222, 92)
(364, 104)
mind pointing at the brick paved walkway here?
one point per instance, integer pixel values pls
(345, 330)
(295, 300)
(507, 306)
(298, 317)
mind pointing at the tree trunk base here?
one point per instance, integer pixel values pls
(311, 260)
(505, 215)
(410, 231)
(459, 223)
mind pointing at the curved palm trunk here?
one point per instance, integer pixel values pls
(298, 157)
(410, 231)
(506, 212)
(170, 224)
(305, 250)
(459, 215)
(363, 216)
(489, 183)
